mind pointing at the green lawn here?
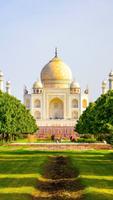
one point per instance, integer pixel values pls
(21, 168)
(26, 140)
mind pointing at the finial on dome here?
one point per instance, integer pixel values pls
(111, 73)
(25, 90)
(56, 52)
(86, 91)
(8, 87)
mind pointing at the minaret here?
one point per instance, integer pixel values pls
(86, 91)
(8, 87)
(111, 80)
(56, 52)
(25, 90)
(104, 87)
(1, 80)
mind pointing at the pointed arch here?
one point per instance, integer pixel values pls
(37, 115)
(27, 103)
(56, 109)
(74, 103)
(84, 103)
(37, 103)
(74, 115)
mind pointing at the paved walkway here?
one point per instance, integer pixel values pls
(65, 146)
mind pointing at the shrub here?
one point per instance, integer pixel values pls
(105, 137)
(87, 140)
(87, 136)
(109, 139)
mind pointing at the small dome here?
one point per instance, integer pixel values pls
(1, 74)
(74, 84)
(104, 83)
(8, 83)
(111, 73)
(37, 84)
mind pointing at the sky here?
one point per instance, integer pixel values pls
(82, 30)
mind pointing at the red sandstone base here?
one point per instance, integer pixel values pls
(58, 131)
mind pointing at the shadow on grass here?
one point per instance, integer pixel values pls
(24, 164)
(59, 198)
(54, 186)
(15, 196)
(98, 196)
(31, 152)
(29, 162)
(104, 184)
(62, 182)
(17, 182)
(48, 185)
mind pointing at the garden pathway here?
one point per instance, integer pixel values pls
(60, 181)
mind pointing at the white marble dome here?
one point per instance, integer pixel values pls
(56, 74)
(74, 84)
(37, 85)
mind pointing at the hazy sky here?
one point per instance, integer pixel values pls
(31, 29)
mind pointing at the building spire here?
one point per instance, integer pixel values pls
(1, 80)
(86, 91)
(56, 52)
(8, 87)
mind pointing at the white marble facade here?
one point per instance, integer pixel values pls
(56, 100)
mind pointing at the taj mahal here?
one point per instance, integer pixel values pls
(56, 100)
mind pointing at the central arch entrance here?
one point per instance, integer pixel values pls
(56, 109)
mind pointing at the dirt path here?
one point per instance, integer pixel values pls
(60, 181)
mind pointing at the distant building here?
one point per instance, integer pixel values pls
(8, 84)
(56, 101)
(110, 81)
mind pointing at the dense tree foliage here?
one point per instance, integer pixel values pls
(97, 119)
(14, 117)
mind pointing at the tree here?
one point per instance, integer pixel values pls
(97, 119)
(14, 117)
(86, 121)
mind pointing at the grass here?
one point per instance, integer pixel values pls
(96, 173)
(20, 169)
(26, 140)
